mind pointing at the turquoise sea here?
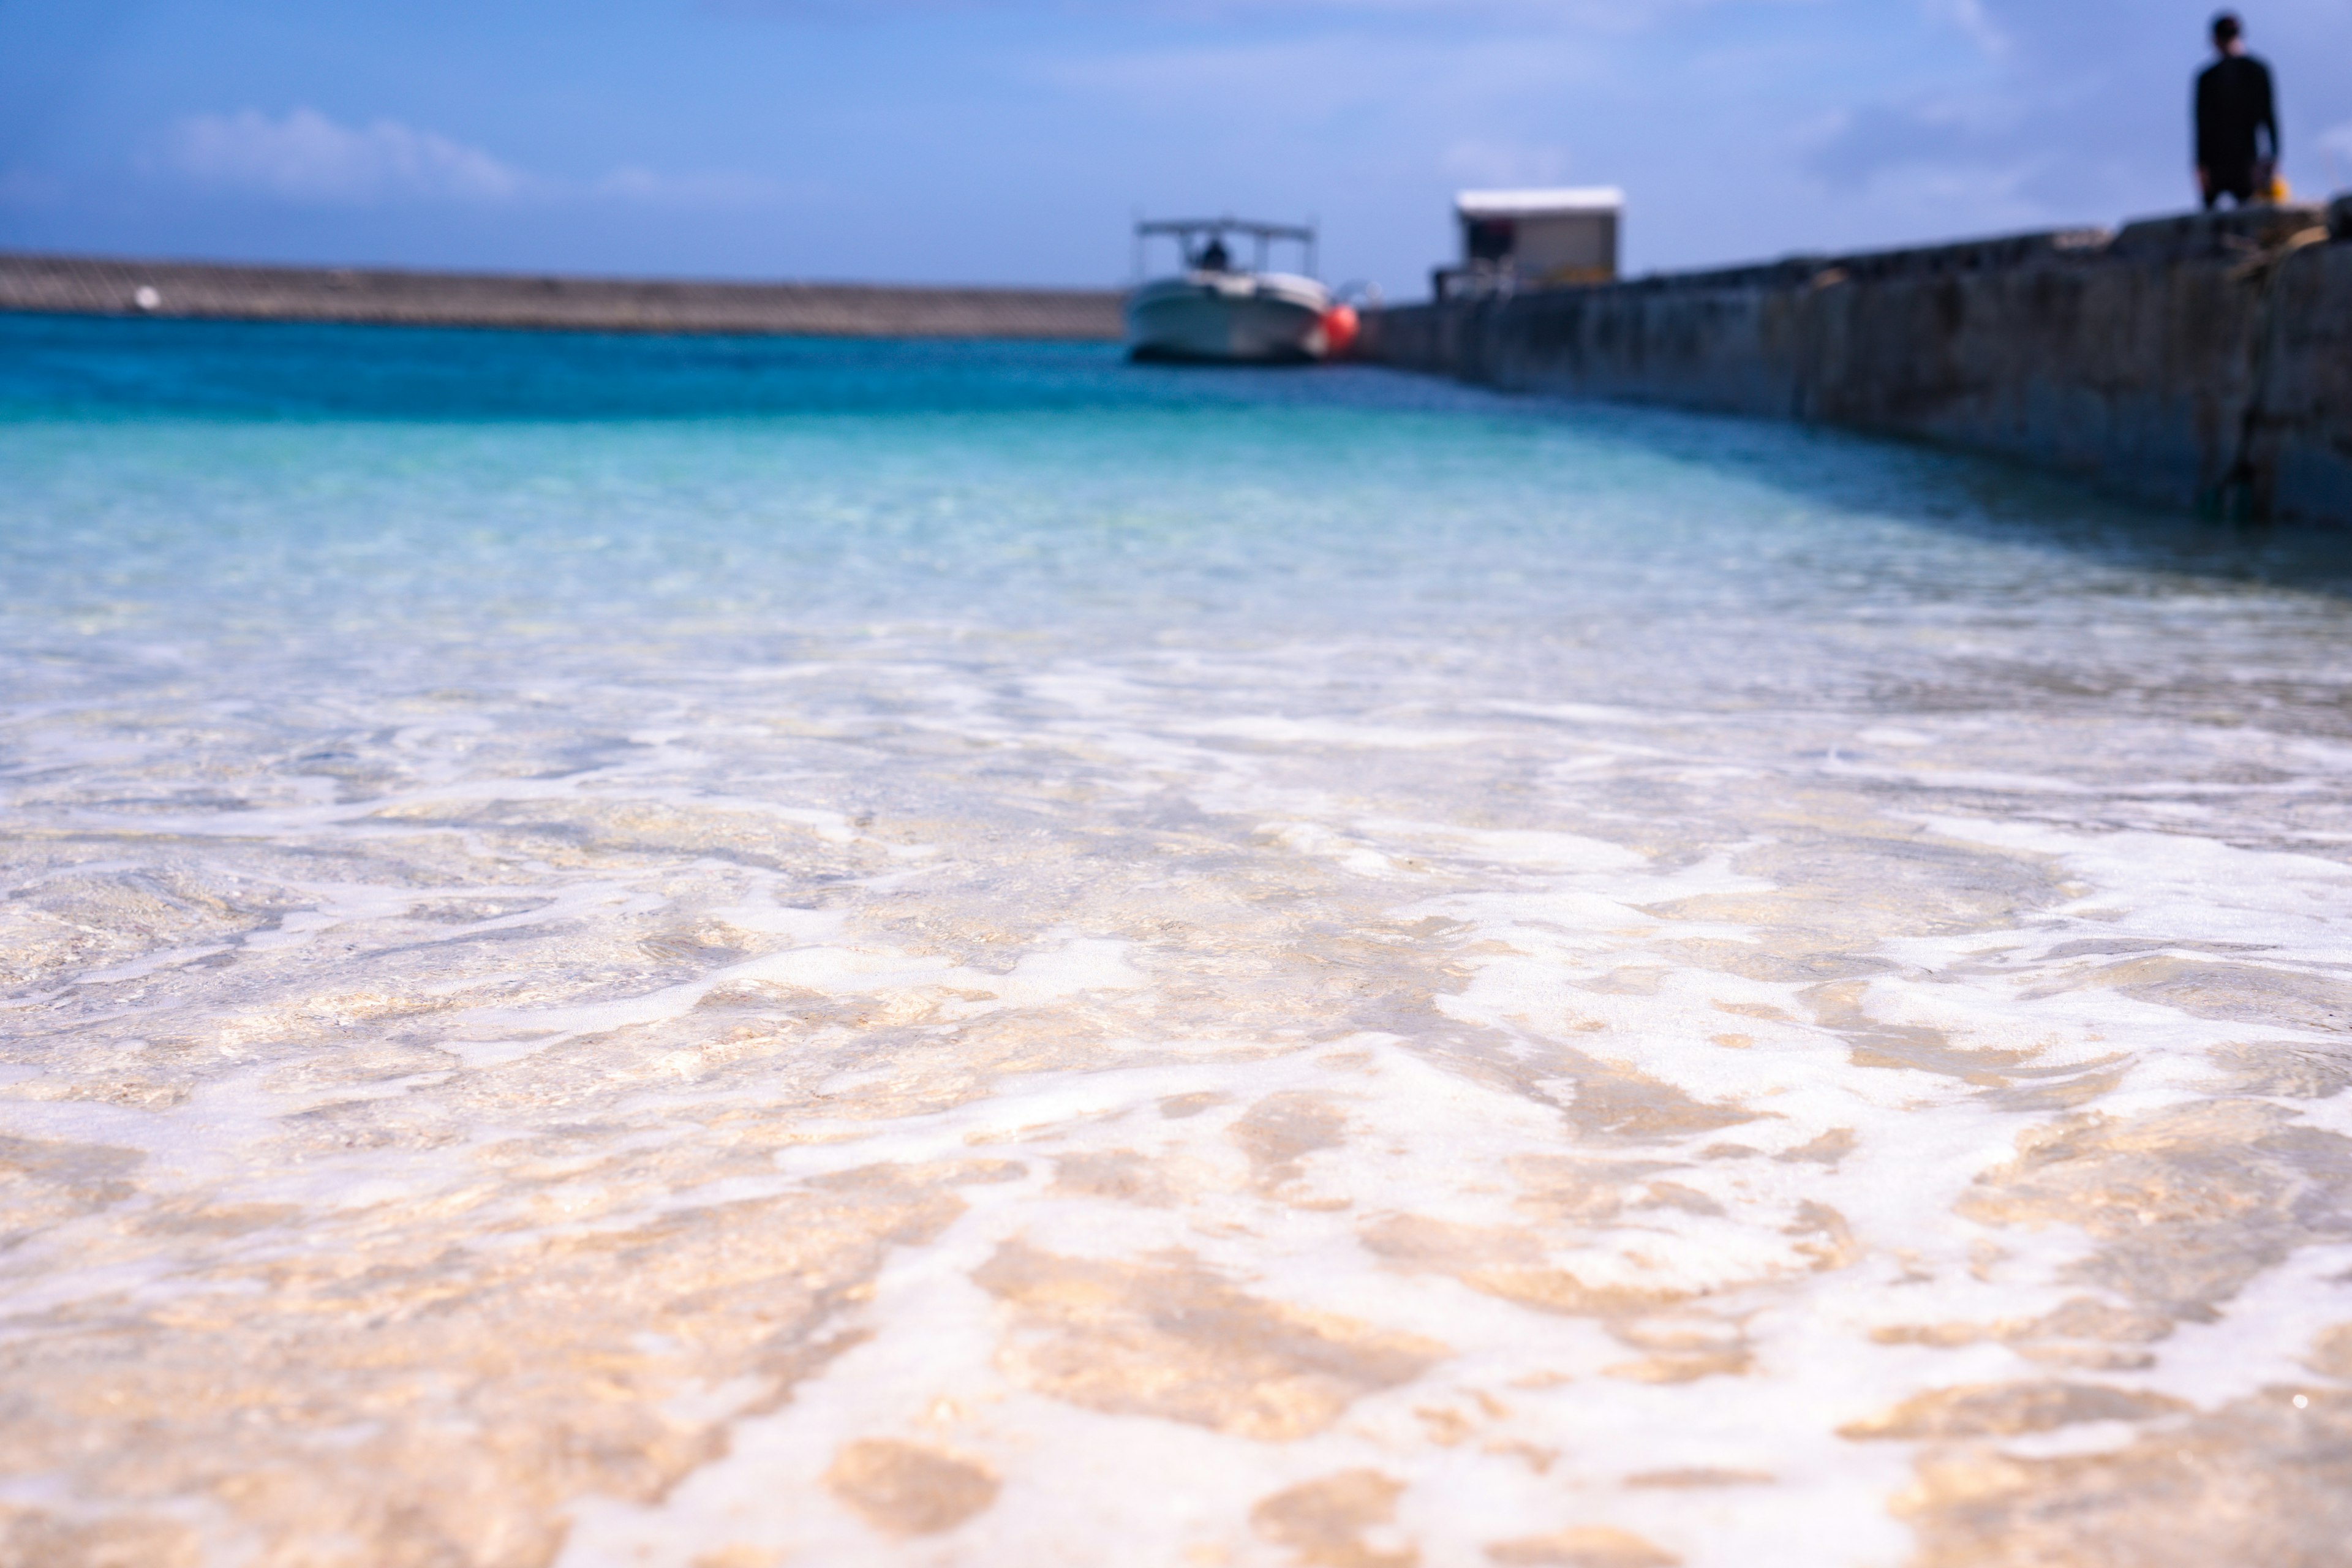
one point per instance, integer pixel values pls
(728, 952)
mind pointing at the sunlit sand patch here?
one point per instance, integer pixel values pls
(1697, 1479)
(1510, 1264)
(1121, 1175)
(2186, 1205)
(2085, 1332)
(1278, 1132)
(2007, 1410)
(50, 1179)
(1683, 1349)
(456, 1396)
(1587, 1546)
(903, 1489)
(1337, 1523)
(2290, 1070)
(1172, 1340)
(2261, 1480)
(2331, 1353)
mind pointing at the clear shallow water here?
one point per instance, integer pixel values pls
(730, 954)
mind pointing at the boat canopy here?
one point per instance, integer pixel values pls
(1193, 234)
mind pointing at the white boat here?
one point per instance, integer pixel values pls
(1214, 312)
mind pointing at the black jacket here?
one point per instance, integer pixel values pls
(2234, 101)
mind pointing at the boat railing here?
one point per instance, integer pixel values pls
(1192, 235)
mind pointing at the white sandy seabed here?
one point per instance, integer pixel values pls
(939, 1093)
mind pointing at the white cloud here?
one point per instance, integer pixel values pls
(1485, 163)
(307, 157)
(1971, 18)
(1858, 146)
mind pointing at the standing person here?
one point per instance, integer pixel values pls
(2234, 106)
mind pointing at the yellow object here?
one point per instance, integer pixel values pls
(2279, 194)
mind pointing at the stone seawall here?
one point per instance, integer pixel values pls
(2204, 359)
(96, 286)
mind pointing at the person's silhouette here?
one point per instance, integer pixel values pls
(1214, 257)
(2235, 106)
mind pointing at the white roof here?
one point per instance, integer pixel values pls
(1538, 203)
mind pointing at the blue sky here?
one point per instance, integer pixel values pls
(1009, 141)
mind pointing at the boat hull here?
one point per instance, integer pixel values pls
(1229, 318)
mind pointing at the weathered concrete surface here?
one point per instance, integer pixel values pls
(2198, 359)
(96, 286)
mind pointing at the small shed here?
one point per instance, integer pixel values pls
(1536, 238)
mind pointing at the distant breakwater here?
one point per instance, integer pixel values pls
(2203, 359)
(103, 285)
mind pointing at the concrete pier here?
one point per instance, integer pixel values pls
(2204, 359)
(99, 286)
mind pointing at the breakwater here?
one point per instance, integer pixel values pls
(2201, 358)
(108, 287)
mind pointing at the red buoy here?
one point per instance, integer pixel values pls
(1339, 328)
